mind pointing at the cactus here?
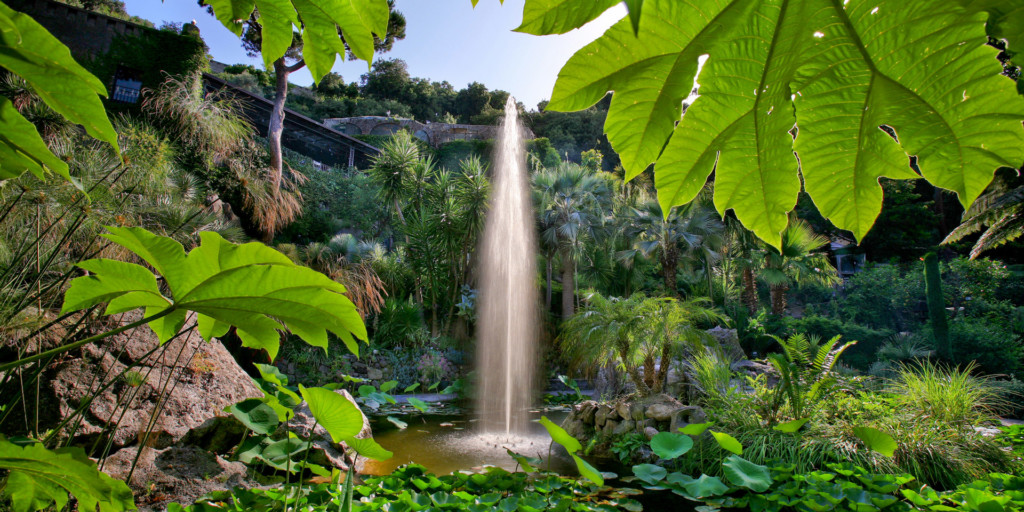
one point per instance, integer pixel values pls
(937, 307)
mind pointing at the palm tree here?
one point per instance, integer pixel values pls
(739, 250)
(692, 231)
(796, 263)
(571, 200)
(634, 332)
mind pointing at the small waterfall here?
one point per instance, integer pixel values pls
(508, 295)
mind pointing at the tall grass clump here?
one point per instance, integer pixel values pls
(947, 394)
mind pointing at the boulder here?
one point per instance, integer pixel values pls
(636, 411)
(650, 432)
(325, 452)
(610, 427)
(662, 411)
(187, 382)
(685, 416)
(623, 409)
(603, 413)
(729, 340)
(585, 411)
(178, 474)
(625, 427)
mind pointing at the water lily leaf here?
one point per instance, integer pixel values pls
(368, 448)
(705, 486)
(420, 405)
(791, 426)
(560, 436)
(669, 446)
(650, 473)
(398, 423)
(695, 429)
(527, 463)
(388, 386)
(876, 440)
(339, 416)
(411, 388)
(256, 415)
(728, 442)
(587, 471)
(743, 473)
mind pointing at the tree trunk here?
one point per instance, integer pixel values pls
(669, 265)
(276, 127)
(749, 291)
(568, 285)
(634, 375)
(547, 292)
(666, 361)
(779, 299)
(649, 372)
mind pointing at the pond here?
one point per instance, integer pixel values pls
(445, 443)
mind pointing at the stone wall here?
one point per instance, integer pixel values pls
(434, 134)
(606, 420)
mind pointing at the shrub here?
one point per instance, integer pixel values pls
(397, 323)
(994, 348)
(949, 395)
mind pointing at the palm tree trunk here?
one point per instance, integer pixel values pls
(666, 361)
(649, 372)
(547, 292)
(669, 265)
(634, 375)
(568, 284)
(779, 299)
(749, 290)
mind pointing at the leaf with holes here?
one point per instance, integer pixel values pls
(840, 93)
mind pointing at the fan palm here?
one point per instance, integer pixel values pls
(570, 204)
(693, 231)
(797, 263)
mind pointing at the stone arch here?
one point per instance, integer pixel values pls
(385, 129)
(348, 129)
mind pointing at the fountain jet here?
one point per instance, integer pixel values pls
(508, 295)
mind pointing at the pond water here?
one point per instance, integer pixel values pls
(448, 443)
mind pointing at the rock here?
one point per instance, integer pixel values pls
(988, 432)
(575, 428)
(625, 427)
(610, 427)
(325, 452)
(685, 416)
(623, 409)
(610, 382)
(187, 380)
(641, 425)
(661, 411)
(374, 373)
(729, 340)
(585, 411)
(650, 432)
(178, 474)
(603, 413)
(755, 368)
(636, 411)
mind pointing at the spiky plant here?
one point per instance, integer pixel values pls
(998, 214)
(796, 263)
(805, 371)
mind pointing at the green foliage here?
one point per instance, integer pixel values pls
(876, 440)
(743, 473)
(66, 87)
(571, 445)
(412, 488)
(805, 371)
(748, 99)
(669, 446)
(626, 446)
(251, 287)
(39, 478)
(255, 415)
(948, 394)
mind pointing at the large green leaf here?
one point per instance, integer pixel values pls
(251, 286)
(368, 448)
(728, 442)
(359, 22)
(560, 436)
(650, 473)
(21, 147)
(40, 478)
(587, 471)
(876, 440)
(560, 16)
(820, 78)
(256, 415)
(743, 473)
(337, 414)
(31, 52)
(669, 446)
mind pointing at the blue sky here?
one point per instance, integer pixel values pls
(445, 40)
